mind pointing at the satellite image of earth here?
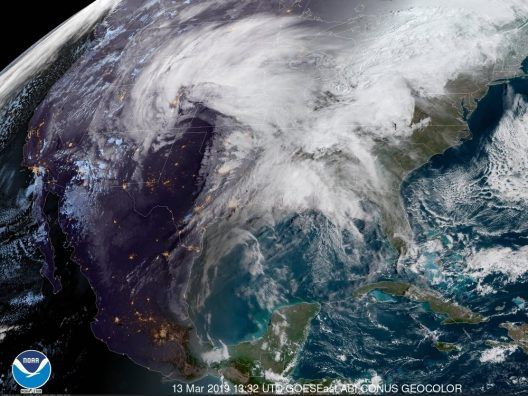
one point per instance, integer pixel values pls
(206, 196)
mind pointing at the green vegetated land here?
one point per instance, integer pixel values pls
(518, 333)
(446, 347)
(275, 352)
(453, 312)
(438, 124)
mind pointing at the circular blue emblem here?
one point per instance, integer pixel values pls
(31, 369)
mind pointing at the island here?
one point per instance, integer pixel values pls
(518, 333)
(454, 313)
(446, 347)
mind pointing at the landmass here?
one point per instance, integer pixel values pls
(439, 123)
(518, 333)
(446, 347)
(453, 312)
(273, 355)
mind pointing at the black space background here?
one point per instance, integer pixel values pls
(86, 365)
(23, 23)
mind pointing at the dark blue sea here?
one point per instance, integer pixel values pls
(466, 209)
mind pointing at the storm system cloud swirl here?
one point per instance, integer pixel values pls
(188, 128)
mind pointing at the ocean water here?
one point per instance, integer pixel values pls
(469, 217)
(301, 258)
(468, 213)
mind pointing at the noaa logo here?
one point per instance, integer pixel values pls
(31, 369)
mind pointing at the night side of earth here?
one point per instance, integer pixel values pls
(268, 193)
